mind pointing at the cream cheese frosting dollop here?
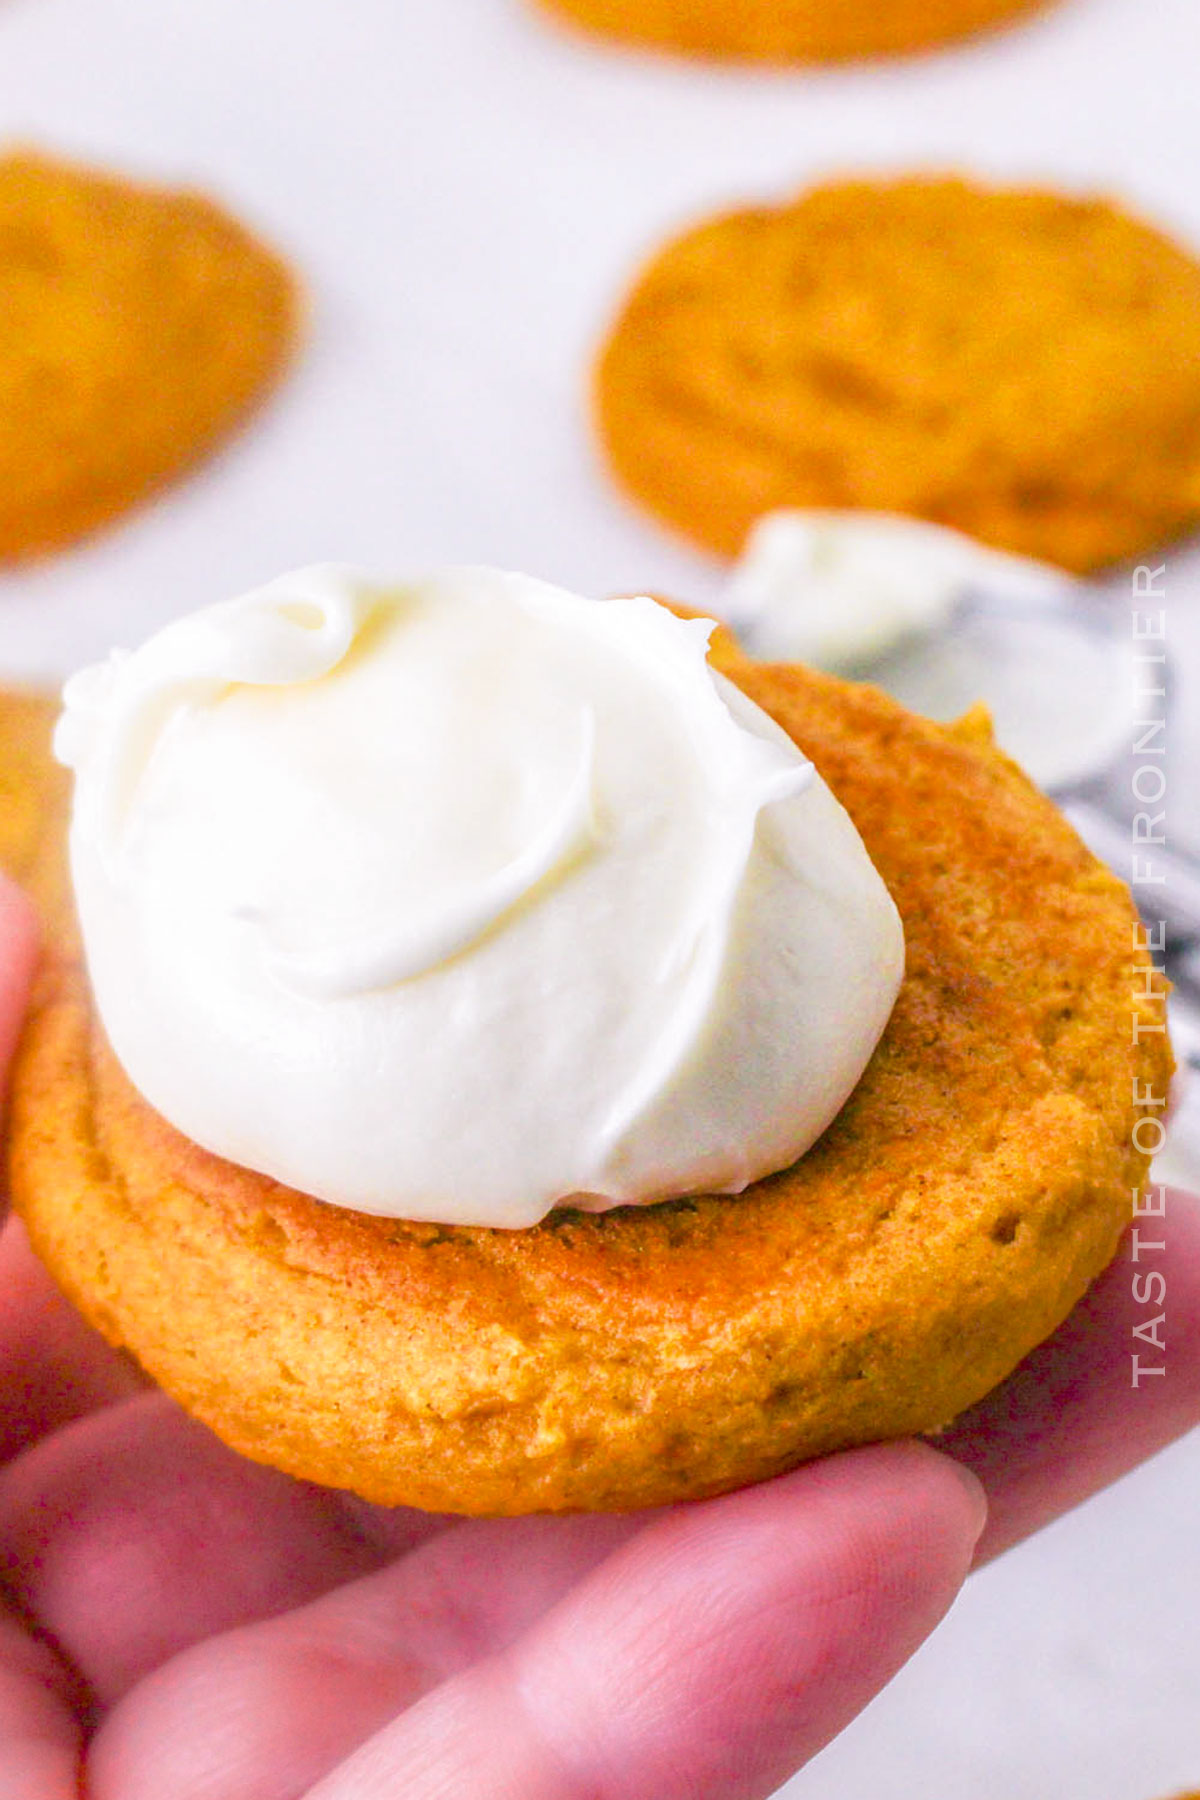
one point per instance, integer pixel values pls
(457, 899)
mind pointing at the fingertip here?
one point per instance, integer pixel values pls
(733, 1637)
(962, 1493)
(911, 1483)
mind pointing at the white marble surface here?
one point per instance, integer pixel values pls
(467, 191)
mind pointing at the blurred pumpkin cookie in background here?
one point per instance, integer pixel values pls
(140, 324)
(791, 30)
(1018, 364)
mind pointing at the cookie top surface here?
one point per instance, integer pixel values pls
(139, 325)
(1020, 365)
(975, 1183)
(790, 30)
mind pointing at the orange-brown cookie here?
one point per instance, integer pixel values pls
(974, 1185)
(791, 30)
(33, 788)
(139, 325)
(1019, 365)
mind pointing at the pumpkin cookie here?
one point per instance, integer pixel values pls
(973, 1186)
(791, 30)
(1018, 365)
(34, 790)
(139, 326)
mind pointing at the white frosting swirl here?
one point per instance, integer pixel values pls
(458, 899)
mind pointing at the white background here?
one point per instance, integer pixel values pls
(467, 191)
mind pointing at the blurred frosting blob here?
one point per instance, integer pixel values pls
(841, 589)
(941, 621)
(459, 899)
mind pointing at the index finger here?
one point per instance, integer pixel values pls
(1079, 1412)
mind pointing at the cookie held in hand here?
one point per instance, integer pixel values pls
(975, 1182)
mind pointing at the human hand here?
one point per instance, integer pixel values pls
(181, 1622)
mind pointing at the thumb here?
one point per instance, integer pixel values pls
(713, 1654)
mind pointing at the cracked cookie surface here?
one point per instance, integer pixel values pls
(1019, 365)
